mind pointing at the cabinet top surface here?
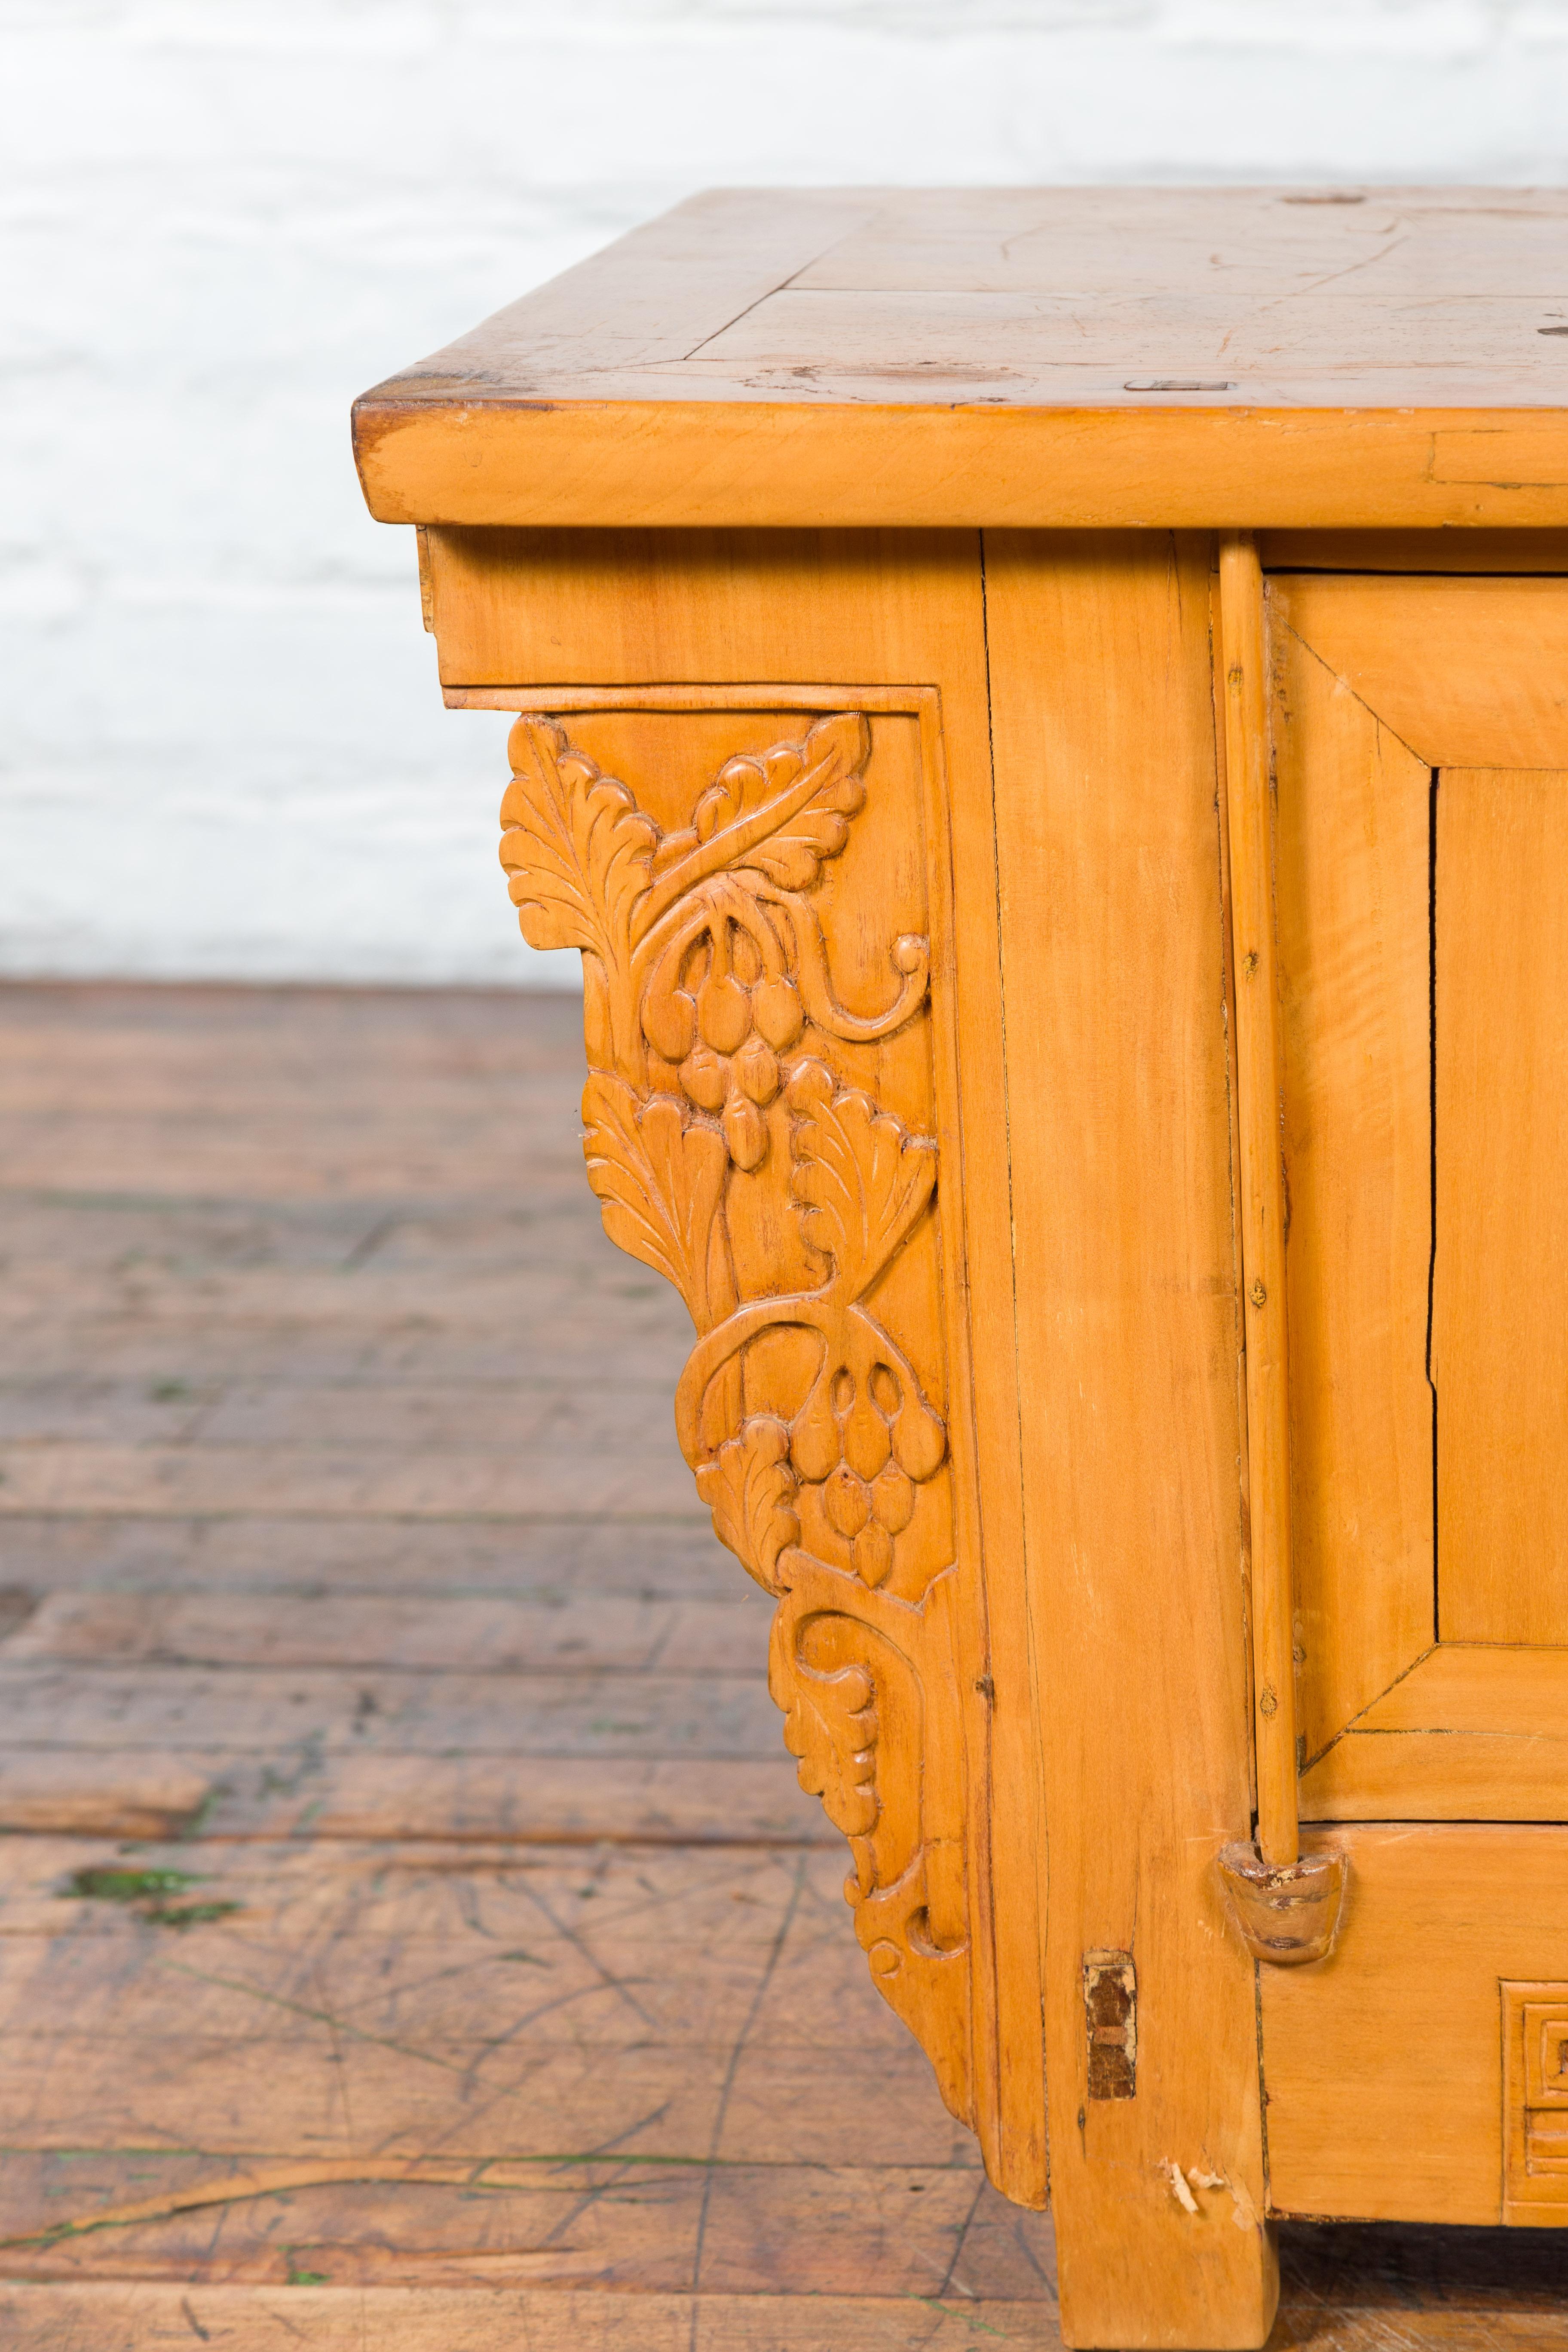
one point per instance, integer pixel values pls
(1158, 312)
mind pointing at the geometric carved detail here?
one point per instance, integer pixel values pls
(1535, 2104)
(713, 1032)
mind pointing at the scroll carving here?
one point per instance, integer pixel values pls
(718, 1090)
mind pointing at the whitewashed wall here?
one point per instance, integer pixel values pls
(224, 753)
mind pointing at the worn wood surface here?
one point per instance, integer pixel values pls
(492, 2054)
(1021, 357)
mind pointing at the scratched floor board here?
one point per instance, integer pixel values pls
(490, 1632)
(486, 1981)
(134, 2317)
(767, 2229)
(457, 1417)
(488, 1946)
(402, 1710)
(149, 1794)
(297, 2093)
(143, 2318)
(570, 1558)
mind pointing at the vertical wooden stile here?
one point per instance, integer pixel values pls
(1249, 798)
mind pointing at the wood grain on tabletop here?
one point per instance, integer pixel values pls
(442, 2075)
(1011, 356)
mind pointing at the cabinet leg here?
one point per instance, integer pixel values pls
(1132, 2273)
(1109, 849)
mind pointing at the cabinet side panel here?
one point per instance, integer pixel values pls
(1108, 845)
(1352, 894)
(698, 627)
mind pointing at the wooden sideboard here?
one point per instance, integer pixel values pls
(1047, 716)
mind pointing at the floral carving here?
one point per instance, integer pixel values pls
(715, 1034)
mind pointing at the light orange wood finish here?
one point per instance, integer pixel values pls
(1018, 357)
(1471, 1731)
(691, 463)
(1403, 2024)
(907, 761)
(741, 1068)
(1500, 1301)
(1018, 1053)
(1108, 834)
(1244, 655)
(587, 611)
(843, 2208)
(1411, 977)
(1352, 873)
(1535, 2097)
(1465, 672)
(1413, 551)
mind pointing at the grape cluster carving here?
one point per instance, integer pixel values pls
(725, 1023)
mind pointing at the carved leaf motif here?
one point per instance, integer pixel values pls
(860, 1178)
(778, 815)
(834, 756)
(830, 1727)
(749, 1488)
(659, 1181)
(577, 847)
(705, 959)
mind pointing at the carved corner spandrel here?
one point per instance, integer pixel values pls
(760, 1129)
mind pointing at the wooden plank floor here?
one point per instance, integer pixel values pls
(411, 1933)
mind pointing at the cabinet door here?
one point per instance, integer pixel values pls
(1421, 873)
(1420, 743)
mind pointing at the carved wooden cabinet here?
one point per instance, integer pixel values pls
(1047, 717)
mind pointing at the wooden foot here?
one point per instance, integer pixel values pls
(1167, 2270)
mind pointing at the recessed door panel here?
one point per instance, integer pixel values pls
(1422, 923)
(1419, 734)
(1352, 859)
(1500, 1264)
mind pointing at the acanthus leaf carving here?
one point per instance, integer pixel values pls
(830, 1727)
(750, 1487)
(660, 1180)
(576, 845)
(782, 813)
(860, 1179)
(710, 1011)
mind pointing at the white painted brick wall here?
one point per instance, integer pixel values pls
(224, 753)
